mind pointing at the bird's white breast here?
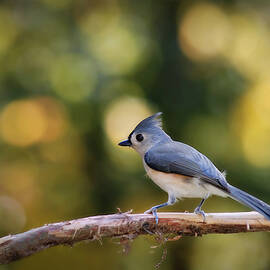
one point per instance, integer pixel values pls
(182, 186)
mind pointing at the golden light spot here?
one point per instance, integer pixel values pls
(123, 115)
(116, 44)
(55, 117)
(22, 123)
(255, 145)
(120, 119)
(204, 31)
(95, 22)
(26, 122)
(73, 77)
(249, 48)
(251, 122)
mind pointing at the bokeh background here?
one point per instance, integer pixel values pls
(75, 79)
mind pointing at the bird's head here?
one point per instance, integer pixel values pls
(146, 134)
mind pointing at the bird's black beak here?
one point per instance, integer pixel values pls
(125, 143)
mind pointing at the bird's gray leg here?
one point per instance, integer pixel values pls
(153, 210)
(198, 209)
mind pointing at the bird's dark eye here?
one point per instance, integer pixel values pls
(139, 137)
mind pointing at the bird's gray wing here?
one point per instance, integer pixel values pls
(179, 158)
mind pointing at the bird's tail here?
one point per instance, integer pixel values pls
(250, 201)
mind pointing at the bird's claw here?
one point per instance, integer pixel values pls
(199, 211)
(152, 210)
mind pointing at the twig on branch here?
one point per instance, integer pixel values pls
(126, 226)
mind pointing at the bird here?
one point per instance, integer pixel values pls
(181, 170)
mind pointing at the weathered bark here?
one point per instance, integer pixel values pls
(128, 226)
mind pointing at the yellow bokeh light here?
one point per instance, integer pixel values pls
(249, 48)
(56, 120)
(256, 145)
(123, 115)
(73, 77)
(22, 123)
(117, 46)
(251, 122)
(204, 31)
(26, 122)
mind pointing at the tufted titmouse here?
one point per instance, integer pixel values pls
(181, 170)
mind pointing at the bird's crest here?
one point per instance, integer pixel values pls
(151, 121)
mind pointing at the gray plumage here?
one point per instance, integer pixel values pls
(179, 158)
(197, 176)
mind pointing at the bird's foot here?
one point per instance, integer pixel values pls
(199, 211)
(152, 210)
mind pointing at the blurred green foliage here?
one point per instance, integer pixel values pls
(76, 77)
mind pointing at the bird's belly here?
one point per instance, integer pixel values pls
(182, 186)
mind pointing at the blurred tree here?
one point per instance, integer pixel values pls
(74, 72)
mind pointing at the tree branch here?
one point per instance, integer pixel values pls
(128, 226)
